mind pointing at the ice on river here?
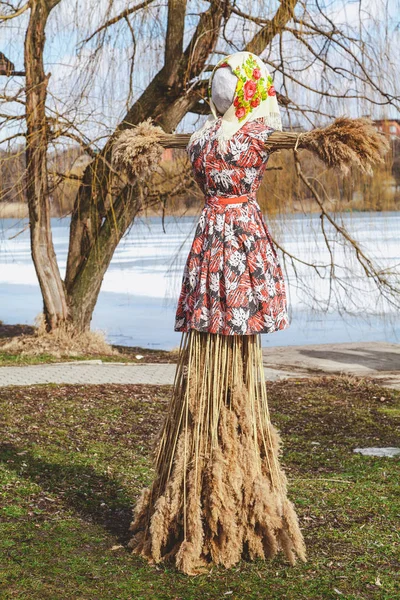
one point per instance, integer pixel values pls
(140, 289)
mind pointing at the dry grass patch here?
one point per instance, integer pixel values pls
(59, 343)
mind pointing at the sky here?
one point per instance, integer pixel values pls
(92, 88)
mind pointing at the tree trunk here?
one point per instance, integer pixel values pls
(104, 208)
(54, 301)
(85, 288)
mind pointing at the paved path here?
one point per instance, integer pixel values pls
(88, 372)
(91, 372)
(366, 358)
(378, 360)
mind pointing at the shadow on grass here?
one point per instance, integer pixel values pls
(96, 497)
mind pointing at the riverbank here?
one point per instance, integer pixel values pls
(19, 210)
(122, 354)
(14, 210)
(374, 361)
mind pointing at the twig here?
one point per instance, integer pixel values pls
(19, 232)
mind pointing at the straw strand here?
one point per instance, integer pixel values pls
(219, 493)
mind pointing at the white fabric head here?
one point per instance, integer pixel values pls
(254, 96)
(223, 89)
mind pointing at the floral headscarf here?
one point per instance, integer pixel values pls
(254, 96)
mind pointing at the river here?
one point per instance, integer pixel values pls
(136, 306)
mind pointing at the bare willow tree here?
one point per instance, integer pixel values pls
(325, 63)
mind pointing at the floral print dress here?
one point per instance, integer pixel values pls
(232, 282)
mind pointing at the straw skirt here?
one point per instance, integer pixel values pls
(219, 494)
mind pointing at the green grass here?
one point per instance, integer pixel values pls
(73, 459)
(127, 355)
(9, 359)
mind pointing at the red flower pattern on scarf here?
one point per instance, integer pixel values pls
(255, 102)
(249, 89)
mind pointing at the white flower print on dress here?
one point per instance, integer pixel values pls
(259, 289)
(270, 285)
(250, 176)
(237, 147)
(252, 297)
(230, 286)
(193, 276)
(240, 318)
(259, 261)
(180, 322)
(263, 135)
(222, 177)
(186, 303)
(214, 282)
(219, 223)
(205, 315)
(230, 235)
(249, 242)
(238, 260)
(244, 216)
(282, 318)
(221, 318)
(270, 254)
(269, 322)
(202, 222)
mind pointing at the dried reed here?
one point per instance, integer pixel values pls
(343, 144)
(219, 493)
(63, 341)
(136, 151)
(346, 143)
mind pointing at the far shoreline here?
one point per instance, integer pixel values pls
(19, 210)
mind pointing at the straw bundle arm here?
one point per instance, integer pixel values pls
(343, 144)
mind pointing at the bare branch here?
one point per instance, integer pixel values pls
(203, 40)
(266, 34)
(383, 284)
(15, 14)
(174, 38)
(125, 13)
(12, 137)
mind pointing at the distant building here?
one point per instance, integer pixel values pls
(6, 66)
(390, 127)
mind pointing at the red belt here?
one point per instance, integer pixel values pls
(231, 199)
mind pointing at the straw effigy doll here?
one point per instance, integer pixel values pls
(219, 493)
